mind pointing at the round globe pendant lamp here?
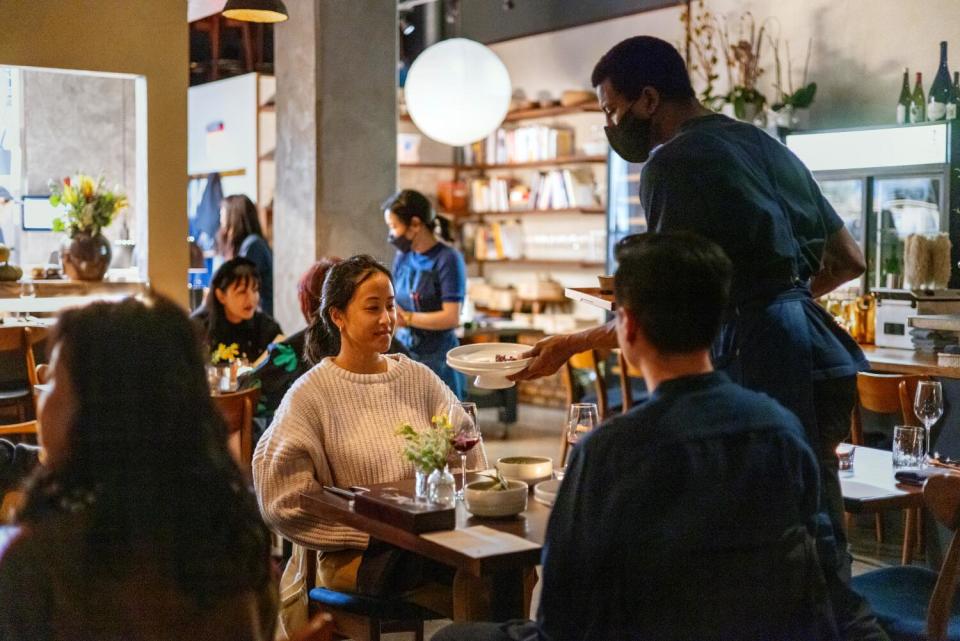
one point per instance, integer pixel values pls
(256, 10)
(457, 91)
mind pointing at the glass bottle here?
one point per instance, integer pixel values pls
(918, 107)
(442, 487)
(903, 104)
(941, 91)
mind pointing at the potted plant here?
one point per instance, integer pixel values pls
(224, 363)
(428, 449)
(88, 207)
(742, 56)
(790, 102)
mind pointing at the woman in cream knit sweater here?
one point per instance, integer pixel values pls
(336, 425)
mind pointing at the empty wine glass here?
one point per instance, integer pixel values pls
(466, 434)
(581, 419)
(928, 406)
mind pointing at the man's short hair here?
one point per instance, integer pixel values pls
(644, 61)
(676, 284)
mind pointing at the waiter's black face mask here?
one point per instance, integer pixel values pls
(630, 137)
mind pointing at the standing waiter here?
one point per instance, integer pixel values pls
(732, 183)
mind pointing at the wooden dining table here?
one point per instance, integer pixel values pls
(870, 486)
(504, 565)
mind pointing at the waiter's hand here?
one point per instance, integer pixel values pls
(549, 355)
(402, 316)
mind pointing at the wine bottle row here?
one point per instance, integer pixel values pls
(941, 103)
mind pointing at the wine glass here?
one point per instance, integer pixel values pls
(581, 418)
(928, 406)
(466, 434)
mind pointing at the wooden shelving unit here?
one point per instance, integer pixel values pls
(533, 262)
(459, 171)
(541, 112)
(477, 215)
(551, 162)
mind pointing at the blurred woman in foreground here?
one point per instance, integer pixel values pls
(139, 526)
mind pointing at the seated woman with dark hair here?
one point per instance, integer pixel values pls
(139, 526)
(286, 360)
(229, 315)
(337, 426)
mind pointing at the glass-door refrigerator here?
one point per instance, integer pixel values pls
(887, 183)
(625, 215)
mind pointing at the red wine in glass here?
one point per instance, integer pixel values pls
(464, 444)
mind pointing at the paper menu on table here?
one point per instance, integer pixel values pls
(480, 541)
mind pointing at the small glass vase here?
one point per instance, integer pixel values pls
(420, 492)
(442, 487)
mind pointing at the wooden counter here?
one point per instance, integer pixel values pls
(905, 361)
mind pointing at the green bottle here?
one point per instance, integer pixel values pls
(903, 104)
(918, 106)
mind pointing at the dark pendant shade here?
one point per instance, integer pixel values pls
(256, 10)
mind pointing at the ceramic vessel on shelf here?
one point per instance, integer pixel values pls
(85, 256)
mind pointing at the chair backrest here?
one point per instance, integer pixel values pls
(28, 428)
(941, 494)
(627, 371)
(319, 628)
(884, 394)
(237, 409)
(22, 340)
(11, 500)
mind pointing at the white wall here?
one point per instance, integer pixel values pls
(859, 50)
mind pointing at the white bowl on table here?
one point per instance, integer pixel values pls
(546, 492)
(480, 500)
(480, 360)
(529, 469)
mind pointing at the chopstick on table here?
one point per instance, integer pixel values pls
(344, 494)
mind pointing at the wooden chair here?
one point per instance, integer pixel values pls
(362, 617)
(627, 372)
(10, 501)
(888, 394)
(320, 628)
(237, 409)
(21, 341)
(912, 602)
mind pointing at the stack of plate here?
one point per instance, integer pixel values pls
(480, 360)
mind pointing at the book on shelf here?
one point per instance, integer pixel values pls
(555, 189)
(530, 143)
(496, 241)
(563, 189)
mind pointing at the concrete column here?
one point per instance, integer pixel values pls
(335, 63)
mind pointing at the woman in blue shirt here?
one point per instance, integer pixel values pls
(429, 277)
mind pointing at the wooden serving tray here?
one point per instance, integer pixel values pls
(394, 504)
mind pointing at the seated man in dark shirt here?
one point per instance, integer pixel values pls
(692, 516)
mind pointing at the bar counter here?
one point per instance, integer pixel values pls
(906, 361)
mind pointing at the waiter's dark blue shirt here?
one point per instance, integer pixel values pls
(732, 183)
(690, 517)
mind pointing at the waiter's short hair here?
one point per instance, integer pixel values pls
(676, 285)
(644, 61)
